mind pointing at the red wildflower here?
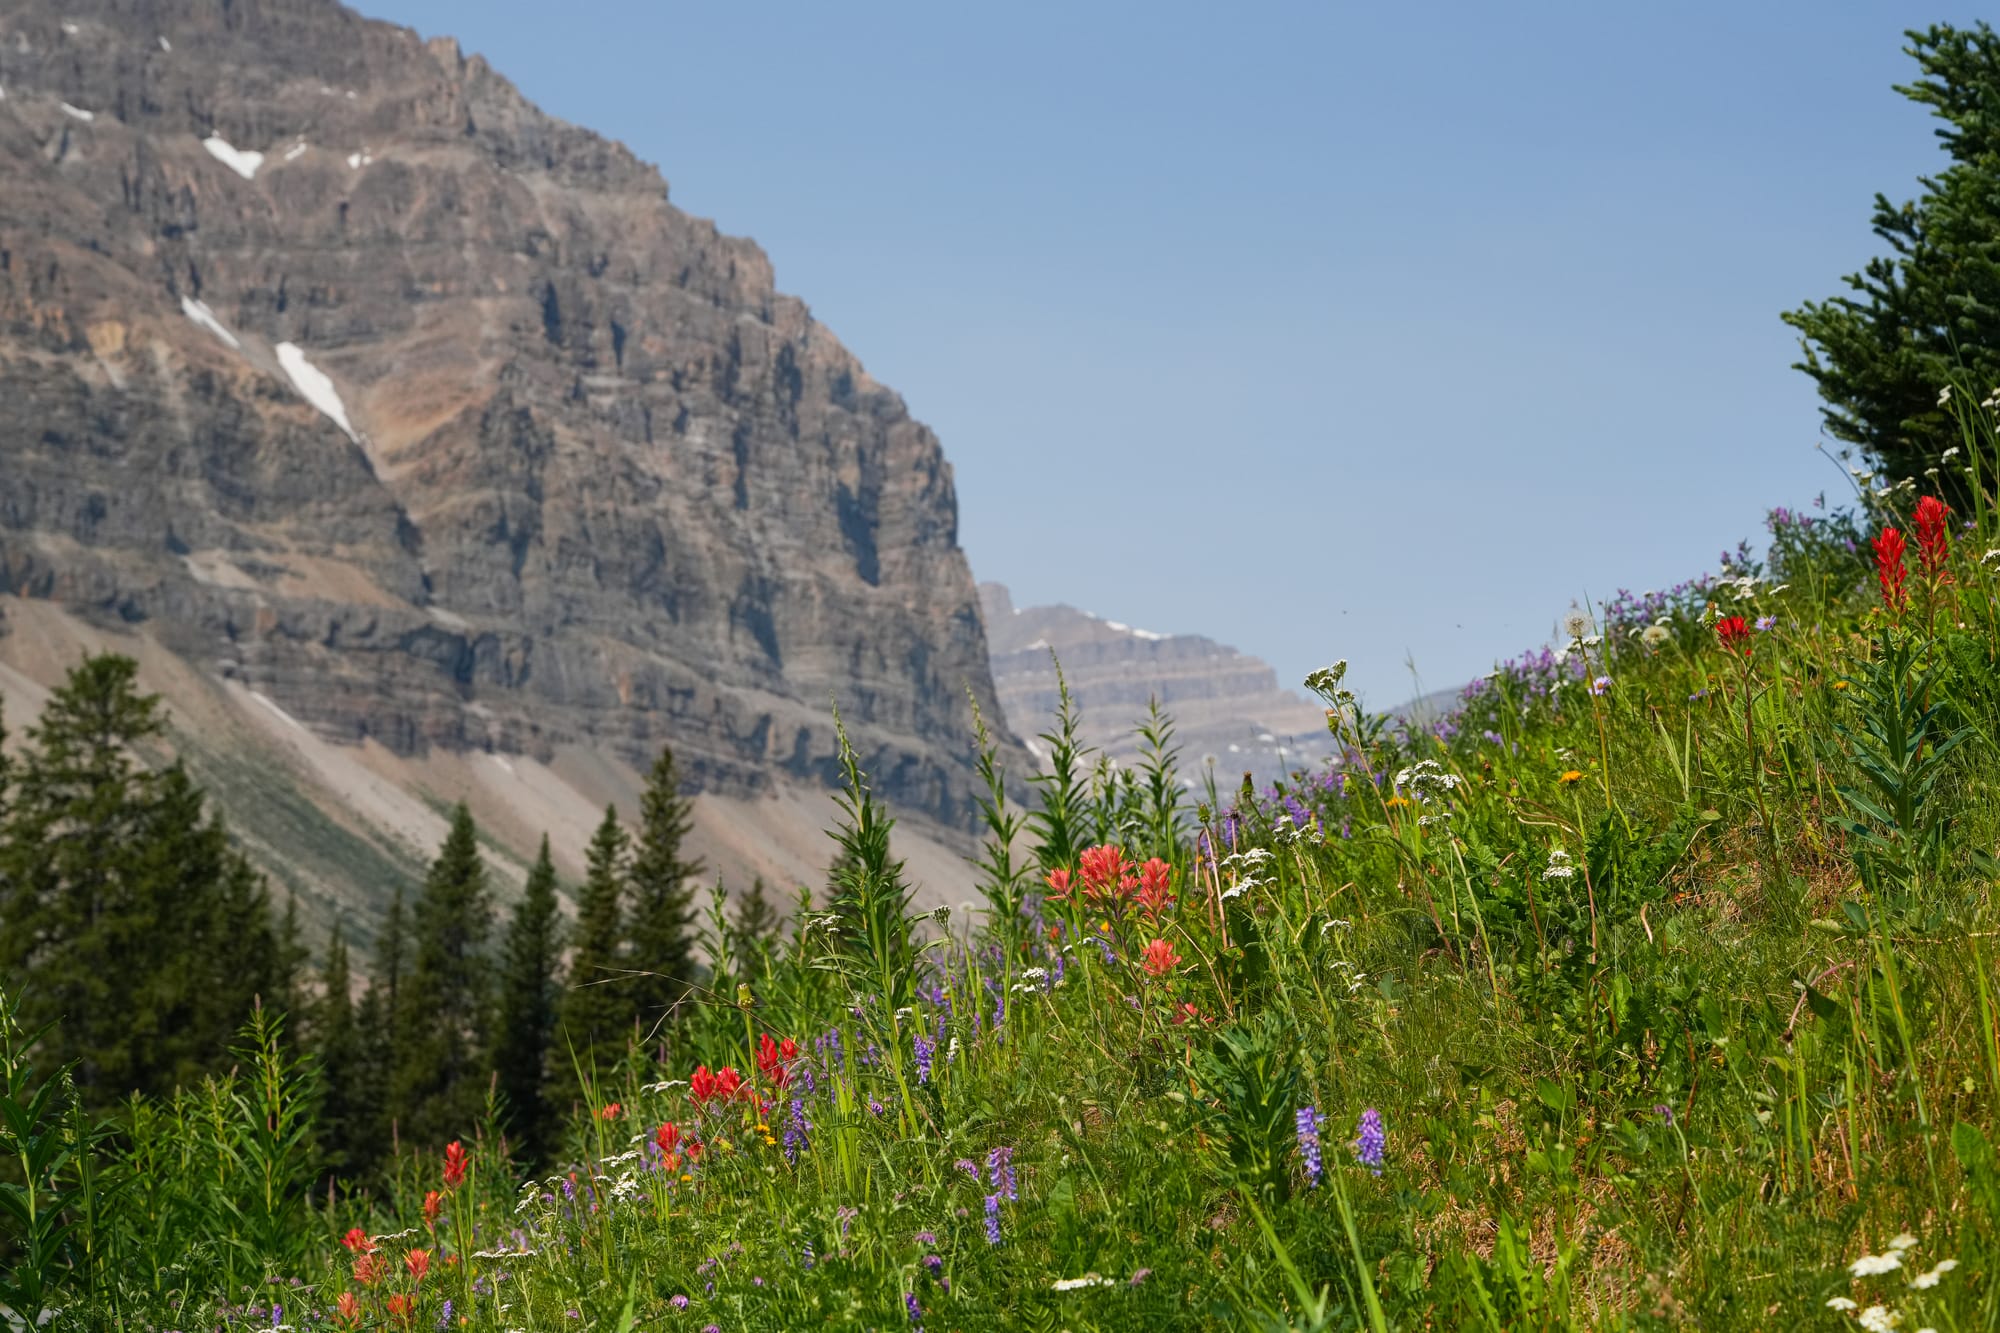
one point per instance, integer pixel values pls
(368, 1269)
(1102, 869)
(704, 1086)
(1933, 535)
(1060, 885)
(774, 1059)
(402, 1307)
(668, 1136)
(357, 1242)
(1889, 572)
(611, 1111)
(694, 1151)
(433, 1203)
(349, 1308)
(1156, 879)
(418, 1262)
(1160, 958)
(1733, 632)
(456, 1159)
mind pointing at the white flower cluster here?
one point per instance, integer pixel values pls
(1325, 682)
(1560, 866)
(1078, 1283)
(1426, 778)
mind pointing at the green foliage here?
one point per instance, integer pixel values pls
(524, 1025)
(595, 1017)
(1928, 312)
(660, 929)
(438, 1082)
(39, 1206)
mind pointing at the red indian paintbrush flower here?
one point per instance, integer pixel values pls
(774, 1059)
(1155, 894)
(1160, 958)
(348, 1306)
(611, 1111)
(418, 1262)
(1933, 535)
(433, 1204)
(1060, 885)
(1102, 869)
(704, 1086)
(402, 1308)
(368, 1269)
(456, 1159)
(1734, 633)
(668, 1136)
(357, 1242)
(1889, 546)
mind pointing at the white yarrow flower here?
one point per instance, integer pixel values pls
(1840, 1303)
(1944, 396)
(1873, 1265)
(1878, 1319)
(1925, 1281)
(1903, 1240)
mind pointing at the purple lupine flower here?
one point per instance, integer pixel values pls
(444, 1318)
(845, 1216)
(1666, 1113)
(916, 1311)
(967, 1165)
(874, 1107)
(923, 1051)
(278, 1313)
(679, 1302)
(1370, 1141)
(934, 1263)
(796, 1130)
(992, 1219)
(1309, 1122)
(807, 1258)
(1000, 1173)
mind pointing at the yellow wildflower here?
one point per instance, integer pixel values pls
(1573, 775)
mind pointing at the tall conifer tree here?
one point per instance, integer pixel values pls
(661, 933)
(596, 1011)
(524, 1030)
(346, 1131)
(437, 1084)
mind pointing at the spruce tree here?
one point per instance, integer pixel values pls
(345, 1120)
(596, 1012)
(377, 1018)
(1928, 313)
(125, 913)
(289, 962)
(524, 1029)
(661, 933)
(756, 923)
(437, 1084)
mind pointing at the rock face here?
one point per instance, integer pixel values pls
(1224, 703)
(344, 373)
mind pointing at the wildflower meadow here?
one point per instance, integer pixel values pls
(1653, 987)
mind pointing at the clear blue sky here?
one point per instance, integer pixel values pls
(1328, 330)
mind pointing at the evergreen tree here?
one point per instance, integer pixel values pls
(124, 911)
(524, 1030)
(1927, 314)
(290, 960)
(756, 924)
(345, 1120)
(377, 1019)
(437, 1083)
(661, 932)
(596, 1012)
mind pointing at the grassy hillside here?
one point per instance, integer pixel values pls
(1653, 989)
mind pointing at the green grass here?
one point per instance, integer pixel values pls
(1677, 1000)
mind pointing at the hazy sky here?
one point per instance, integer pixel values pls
(1330, 330)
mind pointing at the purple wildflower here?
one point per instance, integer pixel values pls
(1600, 685)
(1000, 1173)
(916, 1310)
(967, 1165)
(934, 1264)
(679, 1302)
(1370, 1140)
(444, 1318)
(992, 1219)
(1666, 1113)
(923, 1051)
(1309, 1121)
(1767, 622)
(796, 1130)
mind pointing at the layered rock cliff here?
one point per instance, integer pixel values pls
(1226, 706)
(346, 376)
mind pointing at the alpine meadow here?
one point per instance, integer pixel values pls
(1650, 985)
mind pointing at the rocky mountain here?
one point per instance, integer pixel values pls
(1225, 704)
(422, 449)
